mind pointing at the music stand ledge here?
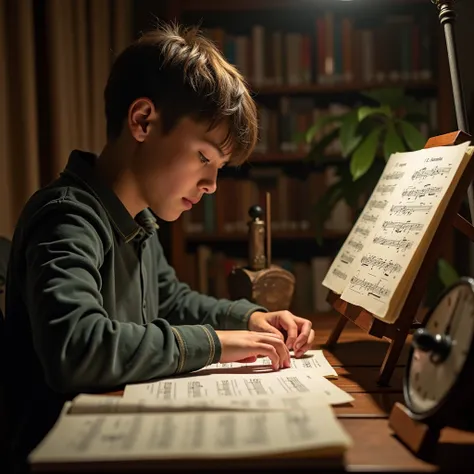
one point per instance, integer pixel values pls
(397, 332)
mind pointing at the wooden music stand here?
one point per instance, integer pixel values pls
(397, 332)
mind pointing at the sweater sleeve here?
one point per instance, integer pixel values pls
(79, 345)
(181, 305)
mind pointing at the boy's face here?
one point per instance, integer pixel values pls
(173, 171)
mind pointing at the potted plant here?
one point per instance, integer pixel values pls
(368, 135)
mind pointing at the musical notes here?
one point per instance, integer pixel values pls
(414, 193)
(409, 209)
(386, 188)
(368, 218)
(339, 274)
(393, 175)
(377, 204)
(407, 214)
(362, 230)
(400, 227)
(372, 288)
(356, 244)
(387, 266)
(347, 258)
(425, 172)
(399, 244)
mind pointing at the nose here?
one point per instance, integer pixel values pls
(208, 184)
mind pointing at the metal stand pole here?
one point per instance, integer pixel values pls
(447, 17)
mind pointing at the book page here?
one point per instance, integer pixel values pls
(313, 361)
(159, 436)
(343, 266)
(399, 240)
(196, 386)
(96, 404)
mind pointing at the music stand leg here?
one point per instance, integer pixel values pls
(336, 332)
(391, 357)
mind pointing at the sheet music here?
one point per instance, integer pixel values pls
(313, 361)
(394, 241)
(155, 436)
(342, 268)
(100, 404)
(238, 385)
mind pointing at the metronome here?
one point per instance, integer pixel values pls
(261, 282)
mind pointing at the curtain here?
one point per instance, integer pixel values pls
(55, 56)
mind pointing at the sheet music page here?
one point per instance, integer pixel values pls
(146, 437)
(313, 361)
(238, 385)
(414, 212)
(97, 404)
(342, 268)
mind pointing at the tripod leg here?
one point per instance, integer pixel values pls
(391, 357)
(336, 332)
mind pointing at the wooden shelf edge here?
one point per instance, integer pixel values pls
(340, 87)
(244, 5)
(276, 235)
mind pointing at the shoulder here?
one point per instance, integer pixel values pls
(62, 205)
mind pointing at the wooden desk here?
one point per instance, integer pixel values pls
(357, 359)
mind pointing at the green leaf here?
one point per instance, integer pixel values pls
(365, 111)
(392, 142)
(364, 155)
(391, 96)
(413, 137)
(447, 274)
(347, 133)
(320, 123)
(317, 152)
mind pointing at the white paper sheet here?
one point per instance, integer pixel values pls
(313, 361)
(142, 437)
(97, 404)
(198, 386)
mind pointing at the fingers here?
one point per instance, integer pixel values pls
(248, 360)
(275, 349)
(268, 328)
(287, 322)
(303, 338)
(306, 347)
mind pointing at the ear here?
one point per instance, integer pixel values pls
(141, 114)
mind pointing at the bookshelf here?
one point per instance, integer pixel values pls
(195, 237)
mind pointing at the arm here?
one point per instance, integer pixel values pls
(80, 347)
(180, 305)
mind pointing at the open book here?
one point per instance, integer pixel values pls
(110, 432)
(376, 266)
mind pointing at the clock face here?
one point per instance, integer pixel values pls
(430, 379)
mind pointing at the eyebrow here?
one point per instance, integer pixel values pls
(216, 146)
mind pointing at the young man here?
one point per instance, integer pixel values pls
(91, 302)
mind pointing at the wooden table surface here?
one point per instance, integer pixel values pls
(357, 359)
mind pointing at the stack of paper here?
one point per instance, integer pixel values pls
(226, 411)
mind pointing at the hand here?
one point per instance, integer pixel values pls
(246, 346)
(300, 336)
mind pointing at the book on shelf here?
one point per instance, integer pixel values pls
(333, 48)
(379, 260)
(224, 412)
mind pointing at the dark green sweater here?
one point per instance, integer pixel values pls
(92, 303)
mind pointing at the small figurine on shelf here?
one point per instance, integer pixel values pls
(261, 282)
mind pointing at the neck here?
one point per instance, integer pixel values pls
(113, 166)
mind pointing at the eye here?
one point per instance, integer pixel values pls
(203, 158)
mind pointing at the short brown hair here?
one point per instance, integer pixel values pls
(184, 74)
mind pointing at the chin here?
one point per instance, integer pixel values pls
(168, 216)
